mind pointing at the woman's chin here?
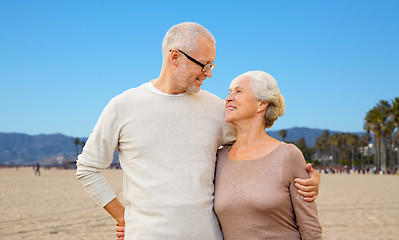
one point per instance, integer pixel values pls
(228, 120)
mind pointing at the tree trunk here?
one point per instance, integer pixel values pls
(368, 157)
(383, 155)
(391, 154)
(397, 157)
(377, 154)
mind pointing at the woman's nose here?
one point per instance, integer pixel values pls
(229, 98)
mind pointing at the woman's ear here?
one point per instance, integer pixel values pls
(262, 106)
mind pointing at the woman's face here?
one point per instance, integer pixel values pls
(241, 104)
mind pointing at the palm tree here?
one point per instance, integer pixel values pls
(395, 112)
(395, 120)
(82, 144)
(352, 141)
(333, 141)
(283, 134)
(364, 143)
(321, 145)
(372, 125)
(306, 151)
(376, 121)
(76, 142)
(395, 141)
(384, 109)
(344, 149)
(388, 129)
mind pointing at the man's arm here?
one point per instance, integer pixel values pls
(309, 188)
(117, 211)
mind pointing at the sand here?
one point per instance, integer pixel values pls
(56, 206)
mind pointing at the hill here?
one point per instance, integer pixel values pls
(23, 149)
(310, 134)
(54, 149)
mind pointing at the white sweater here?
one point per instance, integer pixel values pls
(167, 147)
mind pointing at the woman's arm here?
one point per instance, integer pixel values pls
(305, 212)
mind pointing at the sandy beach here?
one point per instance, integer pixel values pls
(56, 206)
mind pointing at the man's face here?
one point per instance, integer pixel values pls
(189, 75)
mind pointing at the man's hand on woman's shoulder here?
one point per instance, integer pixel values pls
(309, 188)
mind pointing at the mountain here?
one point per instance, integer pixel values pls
(23, 149)
(310, 134)
(55, 149)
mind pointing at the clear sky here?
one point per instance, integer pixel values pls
(62, 61)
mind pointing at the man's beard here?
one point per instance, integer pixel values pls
(183, 81)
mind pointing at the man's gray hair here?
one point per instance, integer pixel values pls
(184, 36)
(266, 90)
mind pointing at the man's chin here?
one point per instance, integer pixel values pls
(193, 90)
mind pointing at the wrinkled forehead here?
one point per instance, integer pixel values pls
(240, 81)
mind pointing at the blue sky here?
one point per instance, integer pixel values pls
(62, 61)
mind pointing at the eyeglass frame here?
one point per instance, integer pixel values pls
(212, 65)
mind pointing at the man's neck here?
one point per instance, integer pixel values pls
(166, 85)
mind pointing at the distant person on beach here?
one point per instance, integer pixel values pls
(167, 133)
(37, 169)
(255, 193)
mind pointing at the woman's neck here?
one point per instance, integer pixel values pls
(252, 142)
(250, 136)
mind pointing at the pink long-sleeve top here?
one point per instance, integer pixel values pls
(257, 199)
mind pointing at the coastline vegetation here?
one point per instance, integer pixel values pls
(377, 150)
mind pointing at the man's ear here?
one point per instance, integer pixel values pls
(262, 106)
(174, 57)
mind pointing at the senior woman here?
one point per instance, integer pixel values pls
(255, 193)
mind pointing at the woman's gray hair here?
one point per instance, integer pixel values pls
(184, 36)
(266, 90)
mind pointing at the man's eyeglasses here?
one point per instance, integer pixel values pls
(205, 67)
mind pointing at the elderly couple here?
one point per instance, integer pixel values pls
(178, 182)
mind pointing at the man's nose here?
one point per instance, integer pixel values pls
(208, 73)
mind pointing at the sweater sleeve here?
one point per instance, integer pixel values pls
(229, 134)
(98, 155)
(305, 212)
